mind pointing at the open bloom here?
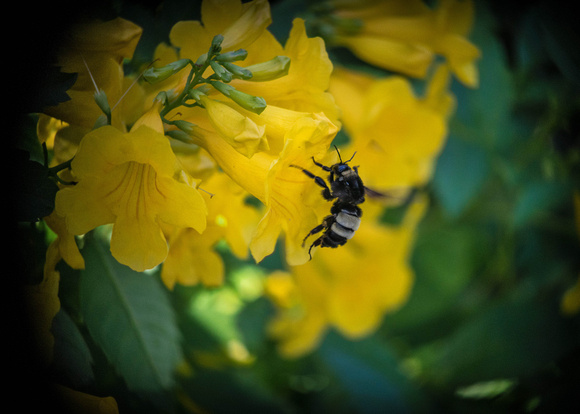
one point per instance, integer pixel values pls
(283, 190)
(133, 181)
(95, 52)
(192, 256)
(405, 36)
(350, 291)
(396, 134)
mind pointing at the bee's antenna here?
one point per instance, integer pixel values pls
(338, 152)
(351, 158)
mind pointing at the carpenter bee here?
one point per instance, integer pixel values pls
(348, 191)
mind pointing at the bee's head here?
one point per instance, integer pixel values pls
(342, 165)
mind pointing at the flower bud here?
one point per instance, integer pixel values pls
(232, 56)
(185, 126)
(238, 71)
(216, 44)
(154, 75)
(252, 103)
(221, 72)
(180, 136)
(196, 94)
(270, 70)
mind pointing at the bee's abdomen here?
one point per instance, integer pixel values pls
(345, 224)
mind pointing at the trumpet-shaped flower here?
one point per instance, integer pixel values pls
(95, 52)
(284, 190)
(397, 135)
(132, 180)
(405, 36)
(350, 291)
(192, 257)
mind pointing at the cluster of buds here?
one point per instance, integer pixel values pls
(224, 71)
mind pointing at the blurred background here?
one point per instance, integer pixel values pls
(492, 321)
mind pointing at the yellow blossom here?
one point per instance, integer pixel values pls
(281, 188)
(95, 52)
(134, 181)
(397, 135)
(350, 291)
(64, 246)
(238, 130)
(405, 36)
(192, 257)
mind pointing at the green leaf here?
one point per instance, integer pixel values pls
(461, 171)
(129, 316)
(72, 357)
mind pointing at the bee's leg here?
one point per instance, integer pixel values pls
(318, 180)
(315, 230)
(324, 167)
(317, 242)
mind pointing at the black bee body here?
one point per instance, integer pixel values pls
(348, 191)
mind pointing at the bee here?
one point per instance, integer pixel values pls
(348, 192)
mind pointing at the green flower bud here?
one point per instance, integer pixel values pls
(232, 56)
(270, 70)
(180, 136)
(216, 44)
(252, 103)
(221, 72)
(185, 126)
(201, 60)
(196, 94)
(238, 71)
(256, 104)
(154, 75)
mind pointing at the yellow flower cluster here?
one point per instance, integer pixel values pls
(169, 158)
(131, 175)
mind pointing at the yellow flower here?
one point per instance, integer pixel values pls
(256, 149)
(282, 189)
(350, 290)
(405, 36)
(99, 47)
(238, 130)
(134, 181)
(397, 135)
(303, 89)
(192, 257)
(64, 246)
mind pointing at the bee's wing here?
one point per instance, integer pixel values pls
(396, 196)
